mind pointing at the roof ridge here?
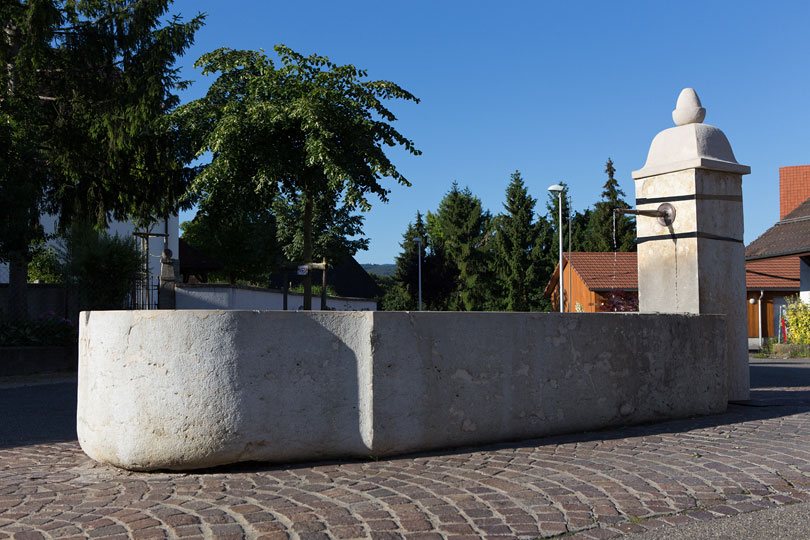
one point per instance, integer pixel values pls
(792, 220)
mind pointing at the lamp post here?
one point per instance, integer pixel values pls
(570, 264)
(419, 265)
(558, 189)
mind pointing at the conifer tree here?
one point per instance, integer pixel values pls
(461, 229)
(438, 276)
(85, 88)
(600, 227)
(516, 237)
(407, 271)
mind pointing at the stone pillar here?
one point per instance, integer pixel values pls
(696, 263)
(168, 277)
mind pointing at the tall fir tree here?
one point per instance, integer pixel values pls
(407, 271)
(461, 230)
(86, 88)
(516, 237)
(601, 225)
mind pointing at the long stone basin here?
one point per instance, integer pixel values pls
(190, 389)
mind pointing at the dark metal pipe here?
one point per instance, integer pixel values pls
(665, 213)
(649, 213)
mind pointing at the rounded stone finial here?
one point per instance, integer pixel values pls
(688, 109)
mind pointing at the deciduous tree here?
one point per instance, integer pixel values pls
(240, 233)
(305, 130)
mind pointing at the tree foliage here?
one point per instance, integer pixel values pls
(336, 230)
(473, 261)
(798, 316)
(601, 224)
(408, 261)
(307, 130)
(460, 230)
(516, 249)
(100, 267)
(86, 87)
(239, 234)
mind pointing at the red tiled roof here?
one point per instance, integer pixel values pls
(605, 271)
(781, 273)
(600, 273)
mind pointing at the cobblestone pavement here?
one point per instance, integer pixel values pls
(587, 486)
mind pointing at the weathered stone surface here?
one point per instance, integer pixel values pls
(688, 109)
(189, 389)
(696, 264)
(691, 144)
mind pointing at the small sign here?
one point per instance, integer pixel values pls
(303, 270)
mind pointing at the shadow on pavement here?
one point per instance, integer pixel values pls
(780, 375)
(37, 414)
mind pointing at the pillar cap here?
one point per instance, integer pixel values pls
(691, 144)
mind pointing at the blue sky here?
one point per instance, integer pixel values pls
(548, 88)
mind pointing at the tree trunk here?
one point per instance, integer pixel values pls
(308, 210)
(17, 281)
(17, 262)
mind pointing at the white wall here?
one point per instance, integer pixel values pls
(239, 297)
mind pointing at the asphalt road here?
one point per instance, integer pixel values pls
(37, 410)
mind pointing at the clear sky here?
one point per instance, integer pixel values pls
(551, 89)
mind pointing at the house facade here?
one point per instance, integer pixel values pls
(594, 282)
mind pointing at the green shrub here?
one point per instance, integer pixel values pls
(103, 269)
(47, 330)
(45, 266)
(798, 316)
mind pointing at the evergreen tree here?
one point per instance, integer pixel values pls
(461, 230)
(601, 225)
(515, 241)
(407, 271)
(86, 88)
(438, 276)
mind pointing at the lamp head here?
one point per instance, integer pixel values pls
(556, 188)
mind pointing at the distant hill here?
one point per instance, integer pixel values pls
(380, 269)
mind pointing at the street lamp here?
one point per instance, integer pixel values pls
(558, 189)
(570, 264)
(419, 265)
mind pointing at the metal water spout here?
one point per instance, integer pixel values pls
(665, 213)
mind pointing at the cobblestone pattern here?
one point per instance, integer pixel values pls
(590, 486)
